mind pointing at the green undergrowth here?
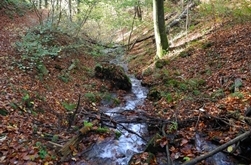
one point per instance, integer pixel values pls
(14, 7)
(45, 43)
(239, 11)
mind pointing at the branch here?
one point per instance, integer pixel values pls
(181, 16)
(169, 161)
(72, 117)
(73, 143)
(218, 149)
(116, 123)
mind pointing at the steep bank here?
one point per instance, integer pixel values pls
(202, 87)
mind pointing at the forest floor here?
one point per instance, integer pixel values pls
(205, 89)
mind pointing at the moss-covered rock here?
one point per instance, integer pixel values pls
(115, 74)
(154, 95)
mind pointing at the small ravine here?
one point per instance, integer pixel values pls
(112, 151)
(119, 151)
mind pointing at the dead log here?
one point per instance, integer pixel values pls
(218, 149)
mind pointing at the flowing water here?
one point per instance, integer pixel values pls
(119, 151)
(218, 159)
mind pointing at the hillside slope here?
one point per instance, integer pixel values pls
(206, 88)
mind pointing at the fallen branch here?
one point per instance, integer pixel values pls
(180, 17)
(128, 130)
(72, 144)
(218, 149)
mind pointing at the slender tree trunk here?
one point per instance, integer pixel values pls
(159, 27)
(46, 3)
(78, 6)
(70, 10)
(138, 10)
(40, 4)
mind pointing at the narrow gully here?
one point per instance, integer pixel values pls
(119, 151)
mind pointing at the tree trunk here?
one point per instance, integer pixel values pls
(159, 27)
(78, 6)
(70, 10)
(138, 10)
(40, 4)
(46, 3)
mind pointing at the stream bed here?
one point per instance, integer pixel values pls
(112, 151)
(119, 151)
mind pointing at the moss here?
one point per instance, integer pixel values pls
(161, 63)
(154, 95)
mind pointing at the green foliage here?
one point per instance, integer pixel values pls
(116, 101)
(186, 159)
(173, 83)
(34, 47)
(88, 124)
(168, 96)
(196, 92)
(218, 94)
(110, 98)
(206, 45)
(27, 101)
(34, 128)
(69, 106)
(191, 86)
(102, 130)
(90, 97)
(13, 7)
(107, 97)
(42, 150)
(65, 77)
(238, 95)
(161, 63)
(240, 10)
(173, 126)
(196, 82)
(186, 53)
(182, 86)
(216, 8)
(3, 112)
(117, 134)
(243, 13)
(54, 138)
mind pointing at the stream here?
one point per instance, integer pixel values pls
(119, 151)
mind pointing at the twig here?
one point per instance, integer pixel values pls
(169, 161)
(55, 144)
(132, 132)
(72, 117)
(218, 149)
(128, 130)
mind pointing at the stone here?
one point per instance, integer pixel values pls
(115, 74)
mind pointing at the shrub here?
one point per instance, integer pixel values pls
(34, 47)
(90, 97)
